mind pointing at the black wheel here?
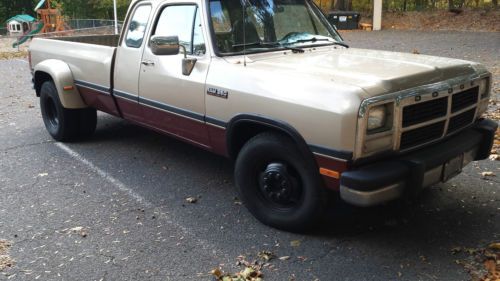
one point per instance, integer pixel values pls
(64, 124)
(278, 186)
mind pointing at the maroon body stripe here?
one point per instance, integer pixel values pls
(178, 125)
(131, 110)
(183, 128)
(98, 100)
(218, 140)
(196, 132)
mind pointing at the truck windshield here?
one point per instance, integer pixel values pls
(267, 25)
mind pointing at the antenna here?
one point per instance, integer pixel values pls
(244, 33)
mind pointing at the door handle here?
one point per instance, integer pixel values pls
(148, 63)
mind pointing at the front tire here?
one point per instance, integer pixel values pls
(65, 124)
(278, 186)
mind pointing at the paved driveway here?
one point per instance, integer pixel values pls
(113, 207)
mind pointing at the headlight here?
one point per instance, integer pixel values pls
(377, 117)
(483, 88)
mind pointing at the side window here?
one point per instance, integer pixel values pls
(199, 47)
(137, 26)
(182, 21)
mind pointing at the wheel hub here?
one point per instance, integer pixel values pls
(51, 112)
(277, 185)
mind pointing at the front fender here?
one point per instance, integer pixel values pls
(62, 76)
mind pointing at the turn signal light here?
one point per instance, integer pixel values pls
(329, 173)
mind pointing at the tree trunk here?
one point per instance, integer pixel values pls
(332, 5)
(343, 5)
(495, 3)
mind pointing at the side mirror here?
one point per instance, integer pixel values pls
(165, 45)
(169, 45)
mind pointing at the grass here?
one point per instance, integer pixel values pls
(13, 55)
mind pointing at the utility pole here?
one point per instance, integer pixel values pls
(116, 17)
(377, 14)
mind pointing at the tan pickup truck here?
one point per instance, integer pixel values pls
(271, 85)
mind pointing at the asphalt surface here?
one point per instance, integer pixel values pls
(126, 189)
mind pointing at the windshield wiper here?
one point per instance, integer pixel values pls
(314, 39)
(270, 45)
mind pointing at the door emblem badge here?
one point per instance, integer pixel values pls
(218, 93)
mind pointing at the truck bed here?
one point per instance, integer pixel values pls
(89, 57)
(103, 40)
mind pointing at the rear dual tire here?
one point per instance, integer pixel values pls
(65, 124)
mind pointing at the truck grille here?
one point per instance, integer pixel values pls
(422, 135)
(462, 120)
(447, 109)
(424, 111)
(464, 99)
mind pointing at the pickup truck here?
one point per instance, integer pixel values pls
(271, 85)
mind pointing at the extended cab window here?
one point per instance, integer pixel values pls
(137, 26)
(183, 21)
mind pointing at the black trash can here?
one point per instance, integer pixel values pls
(344, 19)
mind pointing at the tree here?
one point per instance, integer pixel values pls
(104, 8)
(343, 5)
(9, 9)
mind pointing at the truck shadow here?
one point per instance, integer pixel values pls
(441, 215)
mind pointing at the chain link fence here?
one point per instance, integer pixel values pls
(90, 23)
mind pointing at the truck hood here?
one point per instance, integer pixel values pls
(375, 72)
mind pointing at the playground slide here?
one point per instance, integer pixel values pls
(27, 36)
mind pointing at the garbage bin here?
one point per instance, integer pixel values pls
(344, 19)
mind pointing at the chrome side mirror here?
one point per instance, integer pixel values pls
(165, 45)
(169, 45)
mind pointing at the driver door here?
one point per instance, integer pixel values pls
(174, 102)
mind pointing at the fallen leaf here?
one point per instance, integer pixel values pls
(266, 255)
(494, 246)
(248, 273)
(4, 246)
(456, 250)
(5, 262)
(295, 243)
(302, 258)
(284, 258)
(487, 174)
(43, 175)
(495, 157)
(192, 200)
(217, 272)
(79, 230)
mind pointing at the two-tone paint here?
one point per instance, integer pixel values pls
(314, 97)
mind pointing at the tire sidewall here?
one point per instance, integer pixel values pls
(49, 92)
(266, 148)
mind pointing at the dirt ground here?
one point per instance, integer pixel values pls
(6, 45)
(468, 20)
